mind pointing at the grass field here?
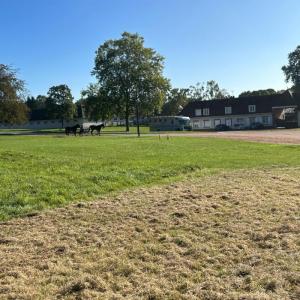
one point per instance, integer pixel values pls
(171, 218)
(107, 129)
(121, 129)
(228, 236)
(41, 172)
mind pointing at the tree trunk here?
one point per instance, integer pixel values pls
(127, 117)
(137, 120)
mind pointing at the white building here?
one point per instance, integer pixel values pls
(278, 110)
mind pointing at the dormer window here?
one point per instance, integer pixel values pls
(228, 110)
(252, 108)
(198, 112)
(205, 111)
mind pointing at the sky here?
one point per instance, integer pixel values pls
(242, 44)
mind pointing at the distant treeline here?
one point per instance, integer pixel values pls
(129, 82)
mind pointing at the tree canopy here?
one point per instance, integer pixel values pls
(96, 103)
(59, 103)
(292, 69)
(12, 93)
(36, 103)
(258, 93)
(207, 91)
(176, 100)
(130, 76)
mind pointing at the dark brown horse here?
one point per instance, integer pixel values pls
(72, 129)
(97, 128)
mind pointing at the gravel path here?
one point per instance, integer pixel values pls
(278, 136)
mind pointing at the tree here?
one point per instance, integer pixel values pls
(207, 91)
(36, 103)
(12, 92)
(59, 103)
(258, 93)
(176, 100)
(96, 104)
(292, 69)
(130, 76)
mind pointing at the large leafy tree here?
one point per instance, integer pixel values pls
(292, 69)
(258, 93)
(207, 91)
(12, 93)
(176, 100)
(130, 76)
(95, 102)
(59, 103)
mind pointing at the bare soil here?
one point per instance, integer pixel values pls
(277, 136)
(226, 236)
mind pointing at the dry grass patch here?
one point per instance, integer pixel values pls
(228, 236)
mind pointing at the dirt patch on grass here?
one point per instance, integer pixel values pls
(231, 236)
(274, 136)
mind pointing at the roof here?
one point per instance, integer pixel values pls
(240, 105)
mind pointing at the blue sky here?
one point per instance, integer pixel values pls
(242, 44)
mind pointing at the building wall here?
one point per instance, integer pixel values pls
(233, 121)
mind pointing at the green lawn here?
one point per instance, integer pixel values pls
(108, 129)
(122, 129)
(38, 172)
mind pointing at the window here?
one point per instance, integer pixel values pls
(205, 111)
(239, 124)
(228, 110)
(217, 122)
(206, 123)
(252, 108)
(196, 124)
(228, 122)
(265, 120)
(198, 112)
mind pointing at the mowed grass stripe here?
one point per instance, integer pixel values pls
(38, 172)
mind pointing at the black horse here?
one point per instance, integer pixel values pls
(72, 129)
(97, 128)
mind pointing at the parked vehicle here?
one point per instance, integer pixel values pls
(257, 126)
(169, 123)
(222, 127)
(239, 127)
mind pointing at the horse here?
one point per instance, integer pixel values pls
(97, 128)
(72, 129)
